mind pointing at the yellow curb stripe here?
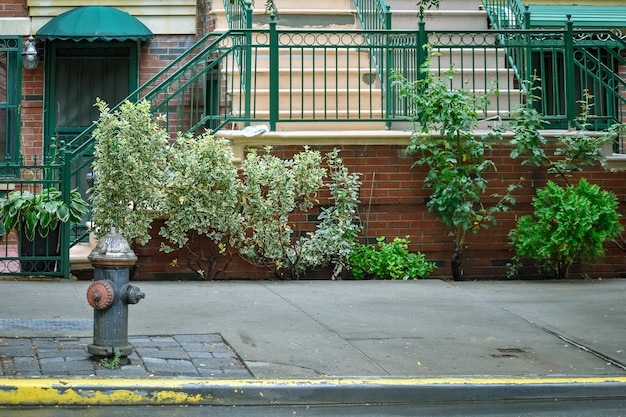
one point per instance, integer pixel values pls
(74, 391)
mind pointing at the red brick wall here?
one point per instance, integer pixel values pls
(13, 8)
(31, 131)
(395, 206)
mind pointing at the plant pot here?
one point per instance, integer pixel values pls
(48, 246)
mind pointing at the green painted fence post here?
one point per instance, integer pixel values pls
(66, 186)
(570, 103)
(274, 76)
(247, 64)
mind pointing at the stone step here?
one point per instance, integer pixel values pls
(318, 78)
(441, 19)
(443, 5)
(292, 14)
(78, 257)
(322, 102)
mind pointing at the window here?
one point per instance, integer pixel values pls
(10, 89)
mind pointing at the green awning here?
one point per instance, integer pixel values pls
(94, 23)
(598, 17)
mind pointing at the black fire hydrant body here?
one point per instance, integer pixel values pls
(110, 294)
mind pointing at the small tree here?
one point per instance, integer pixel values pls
(457, 161)
(129, 170)
(202, 196)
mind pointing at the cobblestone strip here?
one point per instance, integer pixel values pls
(202, 356)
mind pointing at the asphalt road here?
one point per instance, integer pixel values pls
(578, 408)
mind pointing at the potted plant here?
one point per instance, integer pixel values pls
(37, 218)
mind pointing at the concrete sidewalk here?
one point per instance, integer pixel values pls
(400, 334)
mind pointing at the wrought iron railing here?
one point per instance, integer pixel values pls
(373, 14)
(287, 76)
(47, 255)
(238, 13)
(507, 14)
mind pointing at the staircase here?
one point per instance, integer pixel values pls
(360, 93)
(292, 14)
(452, 14)
(317, 82)
(474, 70)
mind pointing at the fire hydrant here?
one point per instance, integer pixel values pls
(110, 294)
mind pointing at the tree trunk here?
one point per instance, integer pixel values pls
(457, 260)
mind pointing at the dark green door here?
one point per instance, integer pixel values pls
(77, 74)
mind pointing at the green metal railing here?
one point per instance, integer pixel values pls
(238, 13)
(507, 14)
(286, 76)
(373, 14)
(47, 256)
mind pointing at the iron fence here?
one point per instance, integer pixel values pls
(42, 255)
(507, 14)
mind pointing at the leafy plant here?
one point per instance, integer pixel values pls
(568, 223)
(130, 170)
(388, 261)
(274, 190)
(573, 152)
(571, 222)
(202, 196)
(112, 363)
(336, 234)
(40, 213)
(427, 5)
(445, 142)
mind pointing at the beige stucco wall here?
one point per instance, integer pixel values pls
(15, 26)
(162, 17)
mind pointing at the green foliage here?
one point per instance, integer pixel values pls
(336, 234)
(568, 223)
(129, 170)
(202, 192)
(273, 189)
(195, 186)
(455, 156)
(423, 5)
(202, 195)
(389, 261)
(41, 212)
(270, 8)
(112, 363)
(573, 152)
(571, 222)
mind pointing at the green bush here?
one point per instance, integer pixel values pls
(130, 170)
(568, 223)
(274, 189)
(388, 261)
